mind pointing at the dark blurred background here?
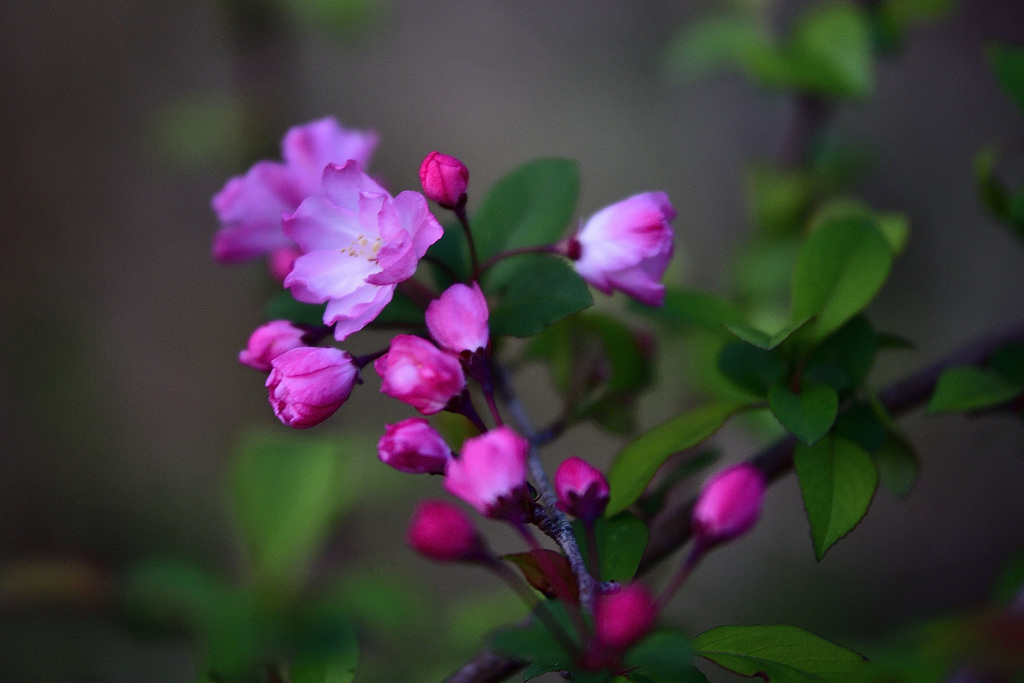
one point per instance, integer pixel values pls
(120, 397)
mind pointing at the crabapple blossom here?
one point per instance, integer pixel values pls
(418, 373)
(443, 532)
(627, 247)
(729, 504)
(490, 473)
(458, 319)
(270, 340)
(358, 243)
(414, 446)
(307, 385)
(250, 207)
(444, 179)
(582, 490)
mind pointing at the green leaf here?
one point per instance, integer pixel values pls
(286, 492)
(898, 465)
(969, 388)
(161, 593)
(807, 415)
(621, 541)
(764, 340)
(844, 359)
(1008, 65)
(328, 650)
(544, 290)
(534, 642)
(652, 503)
(636, 464)
(284, 307)
(839, 270)
(830, 50)
(684, 308)
(751, 368)
(895, 227)
(781, 654)
(838, 480)
(779, 197)
(991, 190)
(664, 657)
(448, 257)
(860, 423)
(715, 44)
(532, 205)
(1008, 363)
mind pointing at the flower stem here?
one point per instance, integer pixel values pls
(497, 258)
(460, 213)
(683, 573)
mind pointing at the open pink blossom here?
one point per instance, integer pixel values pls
(306, 386)
(250, 207)
(627, 247)
(458, 319)
(358, 242)
(419, 374)
(490, 473)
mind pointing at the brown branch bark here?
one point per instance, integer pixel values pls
(671, 529)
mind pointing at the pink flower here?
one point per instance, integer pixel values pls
(490, 473)
(443, 532)
(623, 616)
(358, 242)
(414, 446)
(444, 179)
(418, 373)
(582, 490)
(627, 246)
(281, 261)
(729, 504)
(269, 341)
(458, 319)
(307, 385)
(249, 207)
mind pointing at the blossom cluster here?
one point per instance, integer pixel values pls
(334, 236)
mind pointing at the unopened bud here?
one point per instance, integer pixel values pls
(414, 446)
(307, 385)
(444, 179)
(729, 504)
(490, 473)
(582, 490)
(270, 340)
(624, 616)
(443, 532)
(419, 374)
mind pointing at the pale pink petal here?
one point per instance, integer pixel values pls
(354, 312)
(343, 184)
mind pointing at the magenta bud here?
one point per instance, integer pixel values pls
(307, 385)
(443, 532)
(444, 179)
(418, 373)
(582, 489)
(623, 616)
(414, 446)
(490, 473)
(270, 340)
(458, 319)
(729, 504)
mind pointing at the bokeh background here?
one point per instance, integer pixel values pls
(120, 397)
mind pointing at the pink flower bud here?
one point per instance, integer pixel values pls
(307, 385)
(490, 473)
(443, 532)
(269, 341)
(729, 504)
(582, 490)
(626, 246)
(444, 179)
(623, 616)
(414, 446)
(418, 373)
(458, 319)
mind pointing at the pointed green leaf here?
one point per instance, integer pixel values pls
(970, 388)
(750, 368)
(807, 415)
(830, 50)
(764, 340)
(716, 44)
(898, 465)
(636, 464)
(621, 541)
(543, 290)
(1008, 64)
(781, 654)
(685, 308)
(838, 480)
(844, 358)
(990, 188)
(664, 657)
(839, 270)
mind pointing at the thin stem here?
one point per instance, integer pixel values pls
(561, 588)
(556, 525)
(679, 578)
(460, 213)
(420, 294)
(497, 258)
(489, 395)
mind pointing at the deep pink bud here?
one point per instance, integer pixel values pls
(458, 319)
(490, 472)
(623, 616)
(443, 532)
(729, 504)
(269, 341)
(418, 373)
(582, 489)
(444, 179)
(414, 446)
(307, 385)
